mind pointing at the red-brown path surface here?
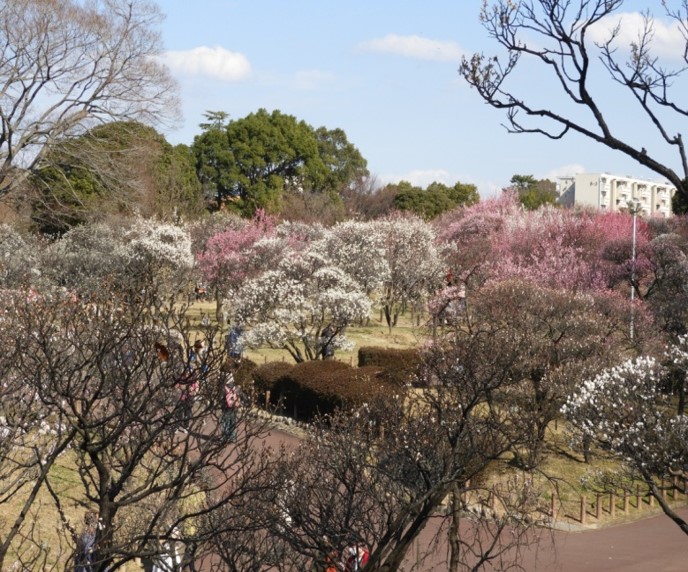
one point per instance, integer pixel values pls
(652, 544)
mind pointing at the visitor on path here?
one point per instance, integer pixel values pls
(355, 557)
(187, 385)
(230, 407)
(233, 343)
(85, 544)
(197, 358)
(169, 559)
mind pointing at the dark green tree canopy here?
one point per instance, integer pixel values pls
(248, 163)
(436, 199)
(533, 193)
(344, 162)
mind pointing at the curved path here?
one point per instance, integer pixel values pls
(652, 544)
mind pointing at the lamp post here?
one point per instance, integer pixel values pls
(634, 209)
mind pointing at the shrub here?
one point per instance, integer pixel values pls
(358, 386)
(301, 390)
(267, 375)
(400, 366)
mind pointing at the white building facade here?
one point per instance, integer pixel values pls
(613, 193)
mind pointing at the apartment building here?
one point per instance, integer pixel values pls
(613, 192)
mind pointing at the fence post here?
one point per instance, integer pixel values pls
(267, 399)
(352, 361)
(598, 506)
(612, 504)
(625, 505)
(638, 498)
(651, 500)
(582, 509)
(664, 493)
(553, 509)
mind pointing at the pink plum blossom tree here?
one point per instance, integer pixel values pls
(228, 258)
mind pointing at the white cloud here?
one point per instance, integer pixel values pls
(414, 47)
(215, 62)
(667, 41)
(308, 80)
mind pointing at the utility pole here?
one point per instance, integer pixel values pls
(633, 208)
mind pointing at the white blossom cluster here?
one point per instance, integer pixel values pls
(291, 305)
(678, 352)
(358, 248)
(624, 410)
(167, 244)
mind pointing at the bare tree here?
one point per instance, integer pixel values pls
(66, 65)
(560, 36)
(557, 338)
(31, 442)
(382, 476)
(122, 404)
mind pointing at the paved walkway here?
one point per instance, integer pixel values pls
(652, 544)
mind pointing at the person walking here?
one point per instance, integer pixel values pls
(85, 544)
(230, 407)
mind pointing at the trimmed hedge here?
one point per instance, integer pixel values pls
(267, 375)
(320, 387)
(400, 366)
(301, 390)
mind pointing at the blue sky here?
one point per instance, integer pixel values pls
(386, 73)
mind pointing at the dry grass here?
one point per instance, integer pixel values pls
(374, 333)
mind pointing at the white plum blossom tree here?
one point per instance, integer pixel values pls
(677, 354)
(18, 258)
(623, 410)
(86, 259)
(167, 244)
(291, 306)
(415, 265)
(159, 254)
(359, 249)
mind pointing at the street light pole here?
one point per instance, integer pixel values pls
(633, 207)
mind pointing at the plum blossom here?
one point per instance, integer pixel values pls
(166, 244)
(624, 410)
(290, 307)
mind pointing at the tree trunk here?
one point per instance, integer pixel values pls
(656, 493)
(219, 307)
(682, 396)
(454, 548)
